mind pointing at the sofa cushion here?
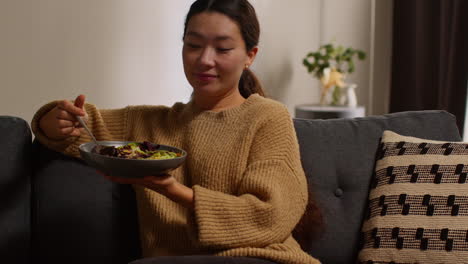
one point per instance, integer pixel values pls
(78, 215)
(338, 157)
(418, 203)
(15, 191)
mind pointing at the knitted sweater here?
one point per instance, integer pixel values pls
(243, 165)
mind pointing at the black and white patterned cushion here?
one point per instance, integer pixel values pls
(418, 203)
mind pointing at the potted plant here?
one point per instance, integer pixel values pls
(330, 64)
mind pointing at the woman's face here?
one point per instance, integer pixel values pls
(214, 54)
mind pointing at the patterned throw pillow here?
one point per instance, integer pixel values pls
(418, 203)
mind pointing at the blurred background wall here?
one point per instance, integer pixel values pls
(117, 52)
(126, 52)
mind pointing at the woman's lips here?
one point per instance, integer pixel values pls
(206, 77)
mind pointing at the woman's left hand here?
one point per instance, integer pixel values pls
(166, 185)
(160, 183)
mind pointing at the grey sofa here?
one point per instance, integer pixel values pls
(54, 208)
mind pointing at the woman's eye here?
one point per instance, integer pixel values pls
(193, 46)
(223, 50)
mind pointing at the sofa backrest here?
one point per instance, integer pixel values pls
(15, 192)
(338, 158)
(78, 216)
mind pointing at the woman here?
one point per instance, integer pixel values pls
(242, 189)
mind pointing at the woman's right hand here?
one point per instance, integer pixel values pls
(60, 122)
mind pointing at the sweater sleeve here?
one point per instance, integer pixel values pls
(271, 198)
(104, 124)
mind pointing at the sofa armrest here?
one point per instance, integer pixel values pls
(15, 189)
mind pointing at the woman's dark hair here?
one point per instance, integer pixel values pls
(243, 13)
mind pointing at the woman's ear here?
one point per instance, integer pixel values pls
(251, 54)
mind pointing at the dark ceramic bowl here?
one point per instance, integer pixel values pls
(129, 168)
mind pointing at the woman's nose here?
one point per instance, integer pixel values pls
(207, 57)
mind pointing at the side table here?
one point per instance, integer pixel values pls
(311, 111)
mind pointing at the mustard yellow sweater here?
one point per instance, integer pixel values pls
(243, 165)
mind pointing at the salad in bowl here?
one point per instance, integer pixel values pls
(132, 159)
